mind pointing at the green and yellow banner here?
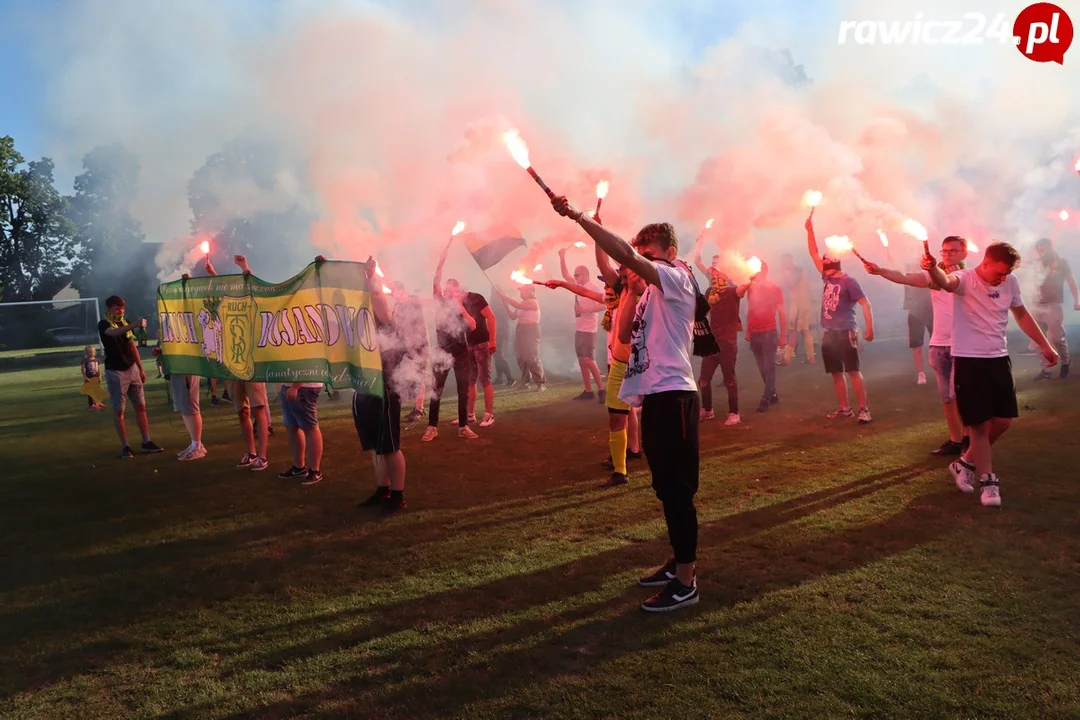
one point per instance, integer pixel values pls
(315, 327)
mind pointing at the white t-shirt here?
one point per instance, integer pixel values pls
(981, 315)
(662, 340)
(586, 311)
(943, 316)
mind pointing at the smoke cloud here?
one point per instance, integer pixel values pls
(393, 112)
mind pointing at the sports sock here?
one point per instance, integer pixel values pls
(617, 444)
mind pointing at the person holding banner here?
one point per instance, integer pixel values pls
(378, 418)
(124, 373)
(251, 401)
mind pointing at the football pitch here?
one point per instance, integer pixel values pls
(841, 573)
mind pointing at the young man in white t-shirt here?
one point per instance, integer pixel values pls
(660, 379)
(953, 253)
(586, 326)
(982, 370)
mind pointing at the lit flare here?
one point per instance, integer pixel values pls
(458, 228)
(538, 268)
(517, 147)
(602, 189)
(579, 244)
(972, 247)
(387, 291)
(378, 270)
(709, 222)
(205, 247)
(1064, 215)
(519, 277)
(811, 198)
(884, 238)
(754, 264)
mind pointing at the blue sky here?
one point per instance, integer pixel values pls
(697, 22)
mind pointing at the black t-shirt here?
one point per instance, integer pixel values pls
(474, 305)
(120, 352)
(449, 326)
(392, 349)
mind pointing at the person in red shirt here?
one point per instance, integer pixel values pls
(766, 303)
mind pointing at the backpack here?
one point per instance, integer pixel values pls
(704, 341)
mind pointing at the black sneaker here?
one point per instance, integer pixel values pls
(672, 597)
(126, 453)
(602, 397)
(247, 460)
(1064, 371)
(586, 395)
(270, 430)
(949, 448)
(414, 415)
(377, 498)
(293, 472)
(313, 478)
(615, 480)
(774, 400)
(763, 406)
(150, 447)
(392, 505)
(661, 577)
(214, 401)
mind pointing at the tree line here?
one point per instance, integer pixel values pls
(91, 239)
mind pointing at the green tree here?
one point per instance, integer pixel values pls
(109, 236)
(241, 198)
(38, 251)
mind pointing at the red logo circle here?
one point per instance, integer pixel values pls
(1043, 33)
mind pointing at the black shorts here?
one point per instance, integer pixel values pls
(378, 422)
(840, 351)
(917, 330)
(984, 389)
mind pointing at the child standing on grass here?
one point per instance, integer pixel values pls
(91, 374)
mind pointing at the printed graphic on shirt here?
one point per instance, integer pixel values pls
(830, 300)
(639, 354)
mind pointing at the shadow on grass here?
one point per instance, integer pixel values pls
(414, 685)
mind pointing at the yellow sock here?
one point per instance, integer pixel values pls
(617, 443)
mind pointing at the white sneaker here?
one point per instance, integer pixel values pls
(183, 454)
(733, 419)
(488, 420)
(430, 434)
(706, 415)
(991, 491)
(198, 453)
(864, 416)
(542, 387)
(922, 379)
(963, 474)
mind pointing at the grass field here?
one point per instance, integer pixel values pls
(841, 573)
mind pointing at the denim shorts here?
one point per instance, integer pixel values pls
(303, 412)
(941, 360)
